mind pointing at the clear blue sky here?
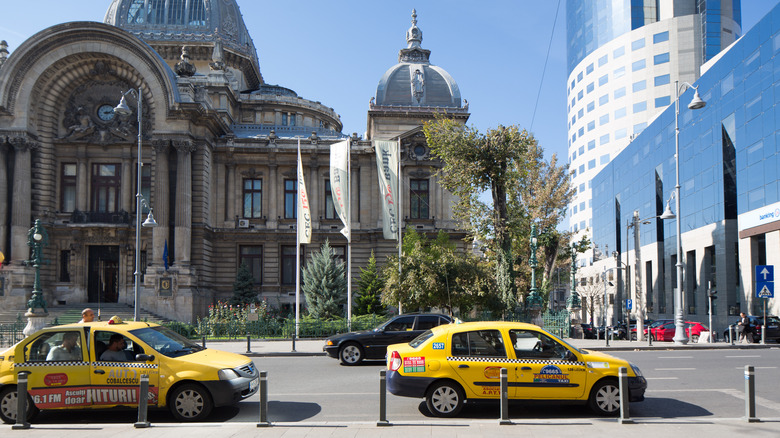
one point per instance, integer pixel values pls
(336, 51)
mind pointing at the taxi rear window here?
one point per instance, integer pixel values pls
(424, 336)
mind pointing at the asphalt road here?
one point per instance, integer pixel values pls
(681, 384)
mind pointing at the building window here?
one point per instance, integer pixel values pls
(603, 60)
(617, 53)
(640, 106)
(604, 159)
(418, 198)
(661, 37)
(638, 65)
(690, 281)
(604, 99)
(620, 112)
(64, 266)
(603, 80)
(662, 58)
(592, 144)
(330, 208)
(639, 86)
(68, 187)
(638, 44)
(619, 72)
(284, 119)
(604, 139)
(340, 252)
(604, 119)
(620, 92)
(589, 69)
(662, 101)
(290, 198)
(288, 264)
(590, 87)
(253, 198)
(106, 184)
(661, 80)
(252, 258)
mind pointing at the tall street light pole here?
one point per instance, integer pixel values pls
(680, 338)
(124, 109)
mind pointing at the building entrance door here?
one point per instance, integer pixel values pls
(103, 283)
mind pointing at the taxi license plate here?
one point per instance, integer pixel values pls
(254, 384)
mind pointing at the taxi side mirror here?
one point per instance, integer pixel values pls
(569, 356)
(144, 357)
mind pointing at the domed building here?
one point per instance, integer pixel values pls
(216, 165)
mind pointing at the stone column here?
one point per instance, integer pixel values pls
(183, 224)
(273, 195)
(127, 199)
(22, 198)
(160, 200)
(230, 180)
(82, 201)
(315, 194)
(3, 196)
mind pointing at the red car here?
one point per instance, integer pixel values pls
(665, 332)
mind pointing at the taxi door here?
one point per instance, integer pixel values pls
(477, 358)
(58, 369)
(117, 382)
(545, 371)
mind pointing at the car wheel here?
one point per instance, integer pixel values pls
(695, 339)
(8, 404)
(605, 398)
(633, 336)
(351, 354)
(190, 402)
(445, 399)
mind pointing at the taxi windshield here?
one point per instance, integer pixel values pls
(566, 343)
(166, 342)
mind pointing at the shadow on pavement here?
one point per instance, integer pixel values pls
(283, 411)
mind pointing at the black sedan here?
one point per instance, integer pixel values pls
(352, 348)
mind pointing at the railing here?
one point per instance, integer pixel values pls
(10, 334)
(273, 328)
(100, 217)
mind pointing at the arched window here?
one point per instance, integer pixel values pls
(197, 13)
(176, 11)
(136, 13)
(156, 11)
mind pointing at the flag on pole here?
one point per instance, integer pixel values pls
(165, 254)
(387, 169)
(304, 214)
(339, 182)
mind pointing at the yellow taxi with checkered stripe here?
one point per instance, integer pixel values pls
(454, 363)
(99, 365)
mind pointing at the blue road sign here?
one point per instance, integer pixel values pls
(629, 304)
(765, 281)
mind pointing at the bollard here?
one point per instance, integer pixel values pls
(623, 386)
(263, 400)
(731, 334)
(763, 334)
(293, 342)
(143, 403)
(607, 333)
(383, 399)
(504, 398)
(21, 401)
(203, 340)
(649, 338)
(248, 345)
(750, 395)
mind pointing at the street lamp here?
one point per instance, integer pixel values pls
(534, 301)
(573, 303)
(680, 338)
(37, 238)
(123, 109)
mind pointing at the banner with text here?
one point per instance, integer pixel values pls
(304, 214)
(339, 182)
(387, 169)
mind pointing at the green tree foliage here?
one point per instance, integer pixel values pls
(435, 274)
(244, 291)
(370, 285)
(324, 283)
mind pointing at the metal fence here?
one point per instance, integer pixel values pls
(274, 328)
(10, 334)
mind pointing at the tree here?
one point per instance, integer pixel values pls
(244, 291)
(592, 294)
(370, 285)
(324, 283)
(435, 274)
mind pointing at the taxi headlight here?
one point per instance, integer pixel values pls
(636, 370)
(227, 374)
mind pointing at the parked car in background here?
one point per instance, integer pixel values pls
(649, 325)
(665, 333)
(756, 322)
(589, 331)
(352, 348)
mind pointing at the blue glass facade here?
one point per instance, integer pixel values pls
(729, 162)
(591, 24)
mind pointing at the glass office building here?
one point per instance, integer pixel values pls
(730, 201)
(623, 59)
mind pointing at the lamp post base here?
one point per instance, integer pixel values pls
(35, 322)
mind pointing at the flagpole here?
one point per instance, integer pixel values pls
(349, 238)
(400, 225)
(298, 258)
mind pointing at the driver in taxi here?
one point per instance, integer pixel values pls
(114, 352)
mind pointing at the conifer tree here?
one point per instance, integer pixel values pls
(324, 284)
(244, 291)
(370, 285)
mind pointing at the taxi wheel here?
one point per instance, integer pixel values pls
(190, 402)
(605, 398)
(8, 403)
(351, 354)
(445, 399)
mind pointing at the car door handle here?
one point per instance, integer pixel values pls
(526, 368)
(463, 366)
(99, 371)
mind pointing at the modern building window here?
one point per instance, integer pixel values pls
(662, 101)
(638, 44)
(619, 72)
(603, 60)
(106, 187)
(418, 199)
(639, 86)
(253, 198)
(589, 69)
(617, 53)
(330, 208)
(640, 106)
(639, 127)
(592, 144)
(620, 92)
(579, 76)
(590, 87)
(604, 139)
(580, 113)
(603, 100)
(661, 58)
(290, 198)
(661, 80)
(591, 106)
(252, 258)
(603, 80)
(604, 119)
(68, 187)
(288, 264)
(661, 37)
(580, 95)
(591, 126)
(638, 65)
(582, 168)
(691, 282)
(582, 131)
(604, 159)
(621, 133)
(591, 164)
(620, 113)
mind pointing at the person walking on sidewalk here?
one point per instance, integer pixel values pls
(743, 328)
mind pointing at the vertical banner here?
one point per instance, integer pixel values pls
(387, 169)
(339, 182)
(304, 214)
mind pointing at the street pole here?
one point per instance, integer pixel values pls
(640, 314)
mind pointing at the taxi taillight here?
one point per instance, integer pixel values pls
(395, 361)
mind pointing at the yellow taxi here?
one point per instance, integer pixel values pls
(453, 363)
(99, 365)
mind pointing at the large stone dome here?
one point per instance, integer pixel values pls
(414, 81)
(201, 25)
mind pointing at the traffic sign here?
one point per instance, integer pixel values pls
(765, 281)
(629, 304)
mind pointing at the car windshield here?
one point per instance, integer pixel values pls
(566, 343)
(166, 341)
(424, 336)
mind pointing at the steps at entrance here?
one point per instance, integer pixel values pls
(72, 313)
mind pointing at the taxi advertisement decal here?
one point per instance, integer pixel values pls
(68, 396)
(551, 374)
(493, 372)
(55, 379)
(415, 364)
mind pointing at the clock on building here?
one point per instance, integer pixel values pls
(105, 112)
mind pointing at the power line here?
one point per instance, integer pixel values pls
(544, 70)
